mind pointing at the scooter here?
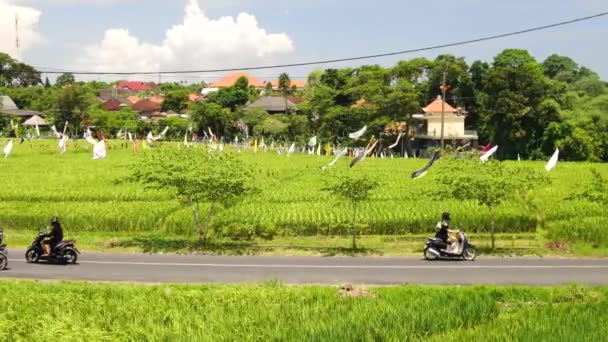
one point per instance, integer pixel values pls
(3, 253)
(436, 249)
(65, 252)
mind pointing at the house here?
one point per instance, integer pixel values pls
(147, 109)
(106, 94)
(115, 104)
(229, 81)
(133, 99)
(136, 86)
(273, 104)
(157, 99)
(426, 127)
(9, 108)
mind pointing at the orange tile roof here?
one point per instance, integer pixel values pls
(297, 83)
(157, 99)
(133, 99)
(435, 107)
(229, 81)
(194, 97)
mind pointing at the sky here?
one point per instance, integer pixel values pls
(153, 35)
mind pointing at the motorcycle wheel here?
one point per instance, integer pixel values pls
(70, 256)
(3, 261)
(428, 255)
(32, 256)
(469, 254)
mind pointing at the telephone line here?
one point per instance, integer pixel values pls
(477, 40)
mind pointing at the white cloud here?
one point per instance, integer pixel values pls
(197, 43)
(28, 28)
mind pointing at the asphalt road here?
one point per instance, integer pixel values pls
(312, 270)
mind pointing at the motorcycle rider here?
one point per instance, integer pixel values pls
(446, 234)
(54, 237)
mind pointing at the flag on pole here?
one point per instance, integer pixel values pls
(424, 170)
(312, 141)
(553, 161)
(8, 148)
(99, 151)
(396, 142)
(485, 156)
(359, 133)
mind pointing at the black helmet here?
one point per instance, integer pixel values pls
(446, 216)
(54, 219)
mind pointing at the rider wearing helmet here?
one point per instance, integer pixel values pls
(445, 233)
(54, 237)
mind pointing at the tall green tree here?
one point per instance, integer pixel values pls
(65, 79)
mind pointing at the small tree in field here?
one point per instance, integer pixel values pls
(353, 190)
(196, 176)
(488, 184)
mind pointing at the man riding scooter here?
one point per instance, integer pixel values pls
(53, 238)
(450, 237)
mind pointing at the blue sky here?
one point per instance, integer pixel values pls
(308, 29)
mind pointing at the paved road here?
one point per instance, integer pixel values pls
(312, 270)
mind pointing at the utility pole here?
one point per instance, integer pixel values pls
(443, 86)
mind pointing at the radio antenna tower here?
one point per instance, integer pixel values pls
(17, 30)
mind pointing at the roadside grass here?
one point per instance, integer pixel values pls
(372, 245)
(269, 311)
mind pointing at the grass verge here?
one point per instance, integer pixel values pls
(39, 311)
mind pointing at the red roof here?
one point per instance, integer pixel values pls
(295, 99)
(146, 106)
(229, 81)
(435, 107)
(112, 105)
(136, 86)
(194, 97)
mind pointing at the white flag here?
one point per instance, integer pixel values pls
(396, 142)
(8, 148)
(292, 149)
(485, 156)
(553, 161)
(99, 151)
(63, 143)
(37, 130)
(358, 133)
(312, 141)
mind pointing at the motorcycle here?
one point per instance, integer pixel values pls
(65, 252)
(436, 248)
(3, 253)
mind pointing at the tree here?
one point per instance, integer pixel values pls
(47, 84)
(268, 89)
(515, 87)
(72, 104)
(488, 184)
(208, 114)
(285, 88)
(196, 176)
(561, 68)
(65, 79)
(14, 73)
(353, 190)
(175, 100)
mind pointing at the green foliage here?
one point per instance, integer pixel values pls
(65, 79)
(354, 190)
(196, 176)
(489, 185)
(72, 104)
(208, 114)
(270, 311)
(175, 100)
(596, 189)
